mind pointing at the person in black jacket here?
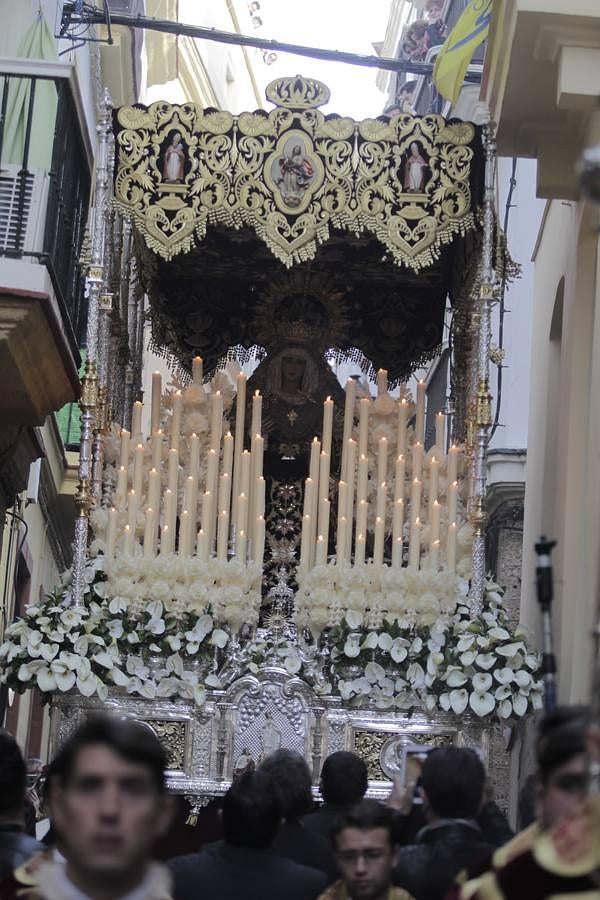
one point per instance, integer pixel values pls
(452, 785)
(15, 845)
(343, 784)
(292, 778)
(245, 864)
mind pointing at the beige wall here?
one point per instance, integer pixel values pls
(563, 493)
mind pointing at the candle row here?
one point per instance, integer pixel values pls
(364, 491)
(163, 501)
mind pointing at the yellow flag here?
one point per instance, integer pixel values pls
(460, 45)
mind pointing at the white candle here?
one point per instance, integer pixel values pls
(149, 531)
(342, 508)
(380, 523)
(399, 476)
(420, 414)
(440, 432)
(121, 488)
(185, 524)
(451, 547)
(402, 420)
(434, 556)
(361, 530)
(153, 489)
(127, 541)
(452, 473)
(216, 424)
(111, 536)
(256, 414)
(321, 551)
(124, 461)
(155, 403)
(342, 541)
(414, 547)
(382, 382)
(228, 454)
(307, 538)
(240, 417)
(169, 515)
(452, 501)
(136, 420)
(417, 460)
(363, 426)
(197, 370)
(327, 425)
(245, 473)
(323, 520)
(132, 507)
(165, 541)
(382, 458)
(176, 419)
(212, 487)
(202, 546)
(324, 468)
(305, 544)
(173, 470)
(434, 473)
(258, 450)
(242, 524)
(397, 533)
(348, 423)
(351, 482)
(138, 470)
(194, 444)
(190, 496)
(260, 496)
(242, 541)
(208, 518)
(361, 495)
(359, 550)
(223, 533)
(434, 525)
(415, 499)
(157, 446)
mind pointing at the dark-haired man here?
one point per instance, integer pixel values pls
(452, 786)
(109, 805)
(15, 845)
(244, 864)
(343, 784)
(364, 848)
(291, 776)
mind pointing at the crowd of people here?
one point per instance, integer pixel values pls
(109, 809)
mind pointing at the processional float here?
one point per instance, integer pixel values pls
(282, 560)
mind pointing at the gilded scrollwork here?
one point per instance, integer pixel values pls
(292, 174)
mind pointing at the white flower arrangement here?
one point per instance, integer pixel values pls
(452, 663)
(165, 646)
(328, 594)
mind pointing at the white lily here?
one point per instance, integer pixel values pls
(481, 703)
(385, 642)
(519, 703)
(399, 650)
(485, 660)
(456, 678)
(371, 642)
(352, 646)
(458, 700)
(292, 663)
(505, 709)
(219, 638)
(481, 682)
(504, 676)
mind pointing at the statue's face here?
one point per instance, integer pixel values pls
(293, 366)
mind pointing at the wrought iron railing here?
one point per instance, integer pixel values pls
(43, 207)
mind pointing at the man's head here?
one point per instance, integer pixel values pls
(452, 781)
(364, 849)
(407, 90)
(562, 763)
(108, 800)
(13, 776)
(344, 779)
(251, 811)
(291, 776)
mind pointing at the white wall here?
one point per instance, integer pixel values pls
(523, 226)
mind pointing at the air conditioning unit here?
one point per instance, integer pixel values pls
(32, 213)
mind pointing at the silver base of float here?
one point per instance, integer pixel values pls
(257, 714)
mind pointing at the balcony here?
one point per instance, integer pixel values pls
(553, 47)
(45, 169)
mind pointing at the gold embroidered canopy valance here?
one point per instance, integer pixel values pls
(293, 174)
